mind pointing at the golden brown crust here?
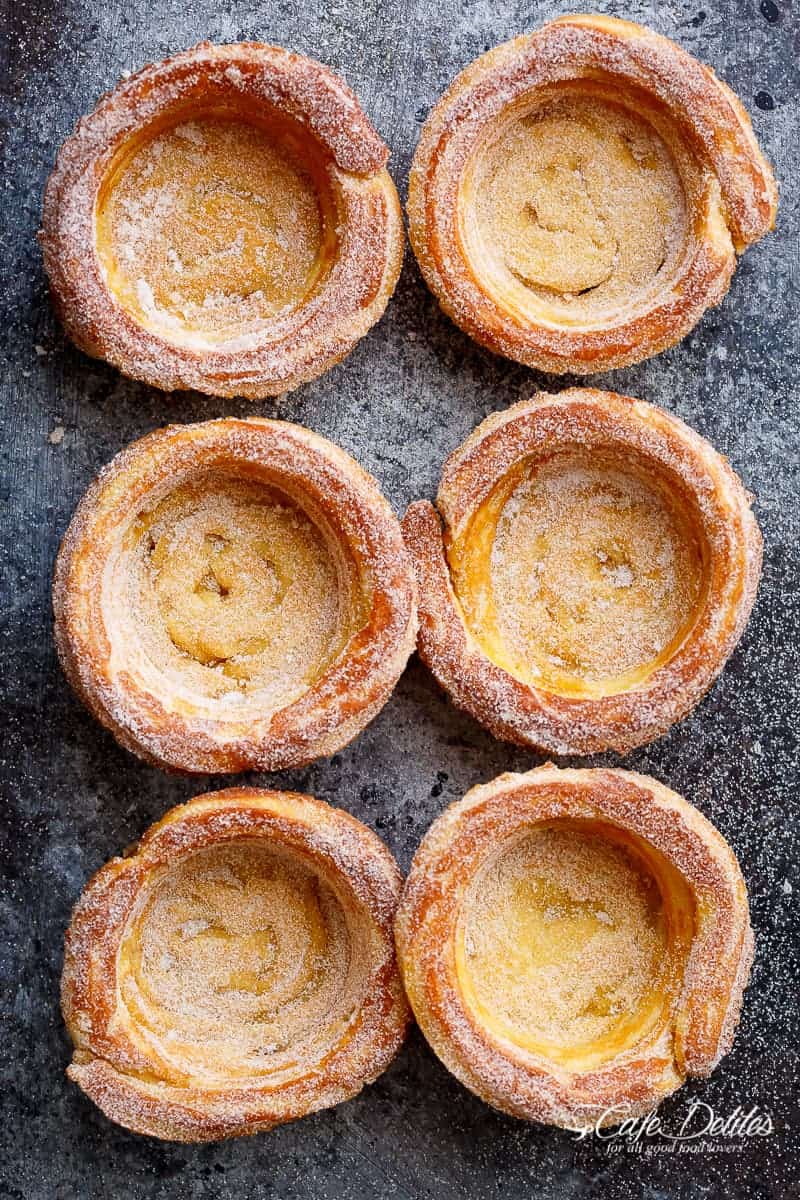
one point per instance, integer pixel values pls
(596, 422)
(134, 1077)
(110, 667)
(730, 189)
(247, 80)
(705, 1009)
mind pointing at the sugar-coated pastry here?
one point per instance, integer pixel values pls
(223, 221)
(579, 195)
(234, 595)
(236, 969)
(591, 567)
(575, 944)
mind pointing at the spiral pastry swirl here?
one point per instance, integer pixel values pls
(224, 221)
(237, 970)
(575, 944)
(579, 195)
(590, 565)
(234, 594)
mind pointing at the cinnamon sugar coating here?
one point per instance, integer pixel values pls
(234, 595)
(575, 944)
(591, 567)
(223, 221)
(578, 195)
(235, 970)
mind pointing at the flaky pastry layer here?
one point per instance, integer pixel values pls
(259, 904)
(712, 512)
(258, 85)
(535, 158)
(234, 595)
(699, 973)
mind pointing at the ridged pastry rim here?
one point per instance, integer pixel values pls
(349, 693)
(519, 712)
(707, 1012)
(594, 47)
(113, 1070)
(298, 346)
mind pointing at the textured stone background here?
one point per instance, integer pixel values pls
(408, 394)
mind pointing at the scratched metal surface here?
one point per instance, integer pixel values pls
(407, 395)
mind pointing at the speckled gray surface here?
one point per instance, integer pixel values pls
(408, 394)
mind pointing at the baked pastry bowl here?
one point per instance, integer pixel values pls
(236, 969)
(234, 595)
(223, 221)
(574, 944)
(579, 195)
(596, 568)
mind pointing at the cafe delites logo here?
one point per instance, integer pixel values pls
(701, 1131)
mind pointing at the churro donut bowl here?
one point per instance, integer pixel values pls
(578, 195)
(223, 221)
(575, 944)
(234, 595)
(589, 568)
(236, 969)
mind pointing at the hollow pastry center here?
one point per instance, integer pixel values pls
(211, 229)
(565, 946)
(235, 591)
(582, 577)
(578, 207)
(239, 961)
